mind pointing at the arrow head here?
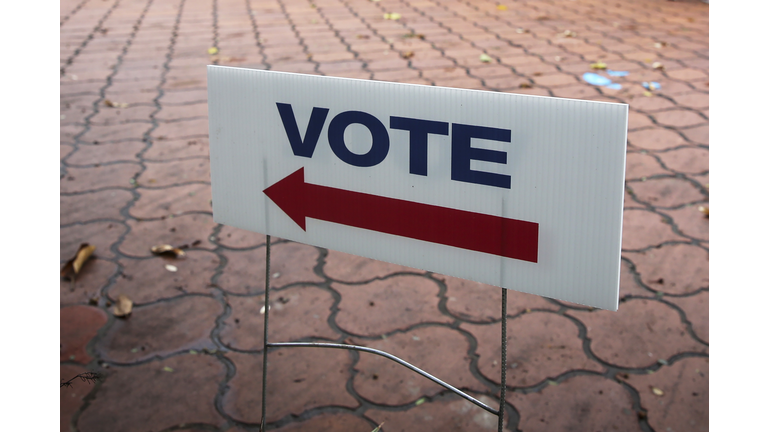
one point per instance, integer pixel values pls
(290, 194)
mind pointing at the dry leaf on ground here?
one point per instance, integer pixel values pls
(171, 268)
(658, 65)
(73, 266)
(705, 211)
(598, 65)
(485, 58)
(168, 250)
(392, 16)
(213, 50)
(501, 7)
(111, 104)
(123, 306)
(657, 391)
(407, 54)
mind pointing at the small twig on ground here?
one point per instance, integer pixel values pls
(89, 377)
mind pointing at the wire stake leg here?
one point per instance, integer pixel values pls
(503, 396)
(266, 346)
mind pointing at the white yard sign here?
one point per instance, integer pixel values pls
(522, 192)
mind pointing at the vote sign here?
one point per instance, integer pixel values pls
(522, 192)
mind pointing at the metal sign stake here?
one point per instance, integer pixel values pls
(267, 345)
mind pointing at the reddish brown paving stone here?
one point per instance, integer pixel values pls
(540, 345)
(104, 176)
(78, 325)
(65, 150)
(93, 276)
(182, 97)
(441, 351)
(446, 414)
(395, 75)
(160, 174)
(698, 134)
(686, 160)
(650, 104)
(641, 165)
(465, 83)
(655, 139)
(444, 73)
(627, 283)
(478, 302)
(683, 268)
(679, 118)
(175, 200)
(489, 71)
(673, 88)
(112, 116)
(183, 111)
(383, 306)
(79, 87)
(510, 83)
(684, 406)
(92, 206)
(148, 280)
(71, 397)
(575, 92)
(139, 86)
(177, 148)
(147, 397)
(688, 74)
(581, 403)
(643, 228)
(298, 379)
(237, 238)
(639, 334)
(119, 132)
(296, 313)
(291, 263)
(161, 329)
(132, 99)
(693, 100)
(696, 308)
(179, 129)
(553, 80)
(666, 192)
(690, 221)
(352, 268)
(192, 230)
(99, 234)
(638, 120)
(103, 153)
(330, 423)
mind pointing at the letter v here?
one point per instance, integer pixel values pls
(305, 148)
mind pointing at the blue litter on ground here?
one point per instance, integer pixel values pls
(655, 85)
(617, 73)
(595, 79)
(599, 80)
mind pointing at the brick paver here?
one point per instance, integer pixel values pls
(135, 174)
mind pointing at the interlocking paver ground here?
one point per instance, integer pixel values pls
(135, 174)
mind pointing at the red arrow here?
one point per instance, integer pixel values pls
(467, 230)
